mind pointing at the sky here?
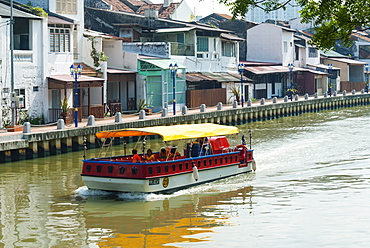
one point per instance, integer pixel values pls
(203, 7)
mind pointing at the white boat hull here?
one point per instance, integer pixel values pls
(166, 183)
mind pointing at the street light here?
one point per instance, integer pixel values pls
(330, 66)
(76, 73)
(367, 78)
(290, 66)
(173, 69)
(241, 69)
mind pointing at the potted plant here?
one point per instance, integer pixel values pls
(142, 105)
(65, 107)
(235, 91)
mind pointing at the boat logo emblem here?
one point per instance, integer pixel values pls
(165, 182)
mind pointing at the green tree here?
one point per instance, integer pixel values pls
(333, 20)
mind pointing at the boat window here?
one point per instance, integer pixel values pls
(98, 168)
(88, 168)
(221, 160)
(110, 169)
(198, 164)
(231, 159)
(236, 158)
(150, 170)
(173, 167)
(166, 168)
(158, 169)
(205, 163)
(216, 161)
(226, 160)
(134, 170)
(180, 167)
(122, 170)
(186, 166)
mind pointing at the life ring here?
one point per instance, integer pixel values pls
(195, 173)
(243, 152)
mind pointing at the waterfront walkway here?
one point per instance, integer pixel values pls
(129, 118)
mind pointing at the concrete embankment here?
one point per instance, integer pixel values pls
(48, 141)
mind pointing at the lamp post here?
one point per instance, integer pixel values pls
(173, 69)
(367, 77)
(241, 70)
(290, 66)
(330, 66)
(76, 73)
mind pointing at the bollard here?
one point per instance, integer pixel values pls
(219, 106)
(184, 110)
(118, 117)
(344, 92)
(274, 100)
(325, 94)
(296, 97)
(235, 104)
(306, 96)
(262, 102)
(249, 103)
(90, 120)
(142, 115)
(316, 95)
(27, 127)
(203, 108)
(60, 124)
(286, 98)
(353, 92)
(335, 93)
(164, 112)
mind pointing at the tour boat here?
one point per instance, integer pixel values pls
(206, 156)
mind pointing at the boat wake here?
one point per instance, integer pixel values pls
(219, 186)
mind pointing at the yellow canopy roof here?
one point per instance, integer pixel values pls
(176, 132)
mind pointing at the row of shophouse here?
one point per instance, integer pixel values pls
(126, 49)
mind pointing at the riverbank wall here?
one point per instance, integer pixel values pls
(49, 141)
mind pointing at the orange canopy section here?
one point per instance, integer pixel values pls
(176, 132)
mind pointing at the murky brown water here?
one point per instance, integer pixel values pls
(311, 189)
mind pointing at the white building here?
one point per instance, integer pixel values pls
(29, 65)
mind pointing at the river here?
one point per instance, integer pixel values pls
(311, 189)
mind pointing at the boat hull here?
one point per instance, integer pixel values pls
(165, 184)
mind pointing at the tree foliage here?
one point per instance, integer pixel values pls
(333, 19)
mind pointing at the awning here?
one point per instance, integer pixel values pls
(116, 75)
(222, 76)
(172, 30)
(197, 77)
(57, 20)
(67, 82)
(231, 37)
(322, 66)
(5, 12)
(163, 63)
(348, 61)
(271, 69)
(176, 132)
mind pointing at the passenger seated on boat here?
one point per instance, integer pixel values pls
(136, 158)
(195, 149)
(150, 156)
(162, 154)
(173, 153)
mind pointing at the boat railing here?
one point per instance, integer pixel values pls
(120, 167)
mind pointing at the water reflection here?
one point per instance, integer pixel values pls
(153, 223)
(310, 190)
